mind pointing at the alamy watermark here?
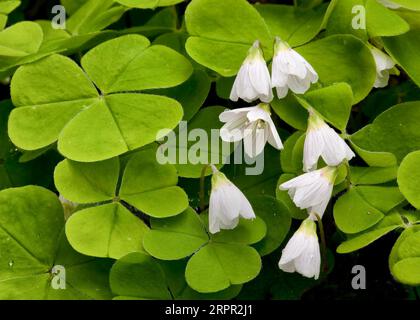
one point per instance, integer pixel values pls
(59, 20)
(198, 147)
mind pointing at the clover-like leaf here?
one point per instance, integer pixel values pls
(372, 175)
(32, 242)
(20, 39)
(374, 21)
(360, 240)
(151, 186)
(109, 230)
(177, 237)
(219, 265)
(56, 100)
(352, 60)
(394, 131)
(138, 276)
(295, 25)
(409, 176)
(222, 44)
(404, 50)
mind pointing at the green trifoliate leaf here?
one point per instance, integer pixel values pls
(372, 175)
(55, 100)
(409, 177)
(177, 237)
(405, 50)
(365, 19)
(87, 182)
(217, 266)
(409, 4)
(108, 230)
(21, 39)
(221, 43)
(352, 59)
(151, 187)
(295, 25)
(93, 16)
(360, 240)
(394, 131)
(28, 257)
(138, 276)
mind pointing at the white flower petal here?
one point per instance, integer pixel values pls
(273, 135)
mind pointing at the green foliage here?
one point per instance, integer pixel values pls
(88, 112)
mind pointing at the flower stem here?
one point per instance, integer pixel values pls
(203, 188)
(323, 243)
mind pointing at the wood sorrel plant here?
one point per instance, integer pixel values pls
(332, 109)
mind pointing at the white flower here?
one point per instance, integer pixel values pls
(254, 125)
(312, 190)
(302, 253)
(323, 141)
(227, 204)
(389, 4)
(253, 79)
(384, 64)
(290, 71)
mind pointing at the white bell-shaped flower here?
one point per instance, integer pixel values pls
(312, 190)
(227, 204)
(384, 64)
(302, 253)
(253, 79)
(323, 141)
(389, 4)
(290, 70)
(254, 125)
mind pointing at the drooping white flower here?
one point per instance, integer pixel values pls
(323, 141)
(227, 204)
(253, 79)
(384, 64)
(254, 125)
(389, 4)
(312, 190)
(290, 70)
(302, 253)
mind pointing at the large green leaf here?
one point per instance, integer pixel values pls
(405, 49)
(55, 100)
(353, 214)
(151, 187)
(353, 63)
(176, 238)
(108, 230)
(138, 276)
(357, 241)
(221, 43)
(93, 16)
(365, 19)
(21, 39)
(409, 177)
(295, 25)
(32, 243)
(394, 131)
(219, 265)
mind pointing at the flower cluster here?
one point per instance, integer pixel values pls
(313, 189)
